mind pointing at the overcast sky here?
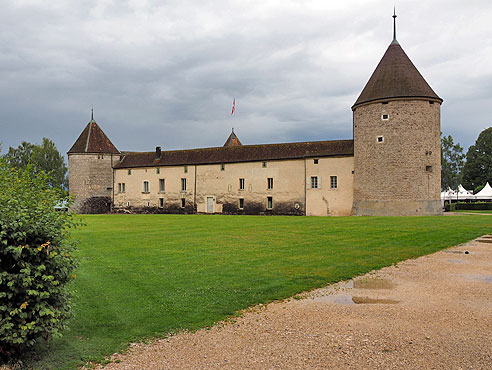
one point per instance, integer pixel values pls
(166, 72)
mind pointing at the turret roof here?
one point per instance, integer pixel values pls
(395, 77)
(232, 140)
(93, 140)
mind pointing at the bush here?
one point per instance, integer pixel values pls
(474, 206)
(450, 207)
(36, 260)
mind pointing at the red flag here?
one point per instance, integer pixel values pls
(233, 106)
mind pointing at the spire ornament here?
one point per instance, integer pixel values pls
(394, 27)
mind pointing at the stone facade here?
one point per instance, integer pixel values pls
(90, 180)
(239, 188)
(397, 161)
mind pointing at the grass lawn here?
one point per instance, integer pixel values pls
(143, 276)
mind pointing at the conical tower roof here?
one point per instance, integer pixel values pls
(232, 140)
(93, 140)
(395, 77)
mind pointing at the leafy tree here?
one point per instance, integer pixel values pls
(478, 167)
(36, 259)
(452, 160)
(44, 157)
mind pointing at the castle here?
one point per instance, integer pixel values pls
(391, 167)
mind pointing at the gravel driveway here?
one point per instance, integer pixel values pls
(434, 312)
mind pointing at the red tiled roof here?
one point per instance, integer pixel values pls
(244, 153)
(395, 77)
(93, 140)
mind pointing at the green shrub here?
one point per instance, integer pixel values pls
(450, 207)
(36, 260)
(474, 206)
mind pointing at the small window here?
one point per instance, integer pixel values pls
(157, 170)
(119, 188)
(129, 172)
(145, 186)
(222, 166)
(241, 184)
(428, 168)
(269, 202)
(385, 116)
(148, 204)
(183, 184)
(128, 204)
(314, 182)
(263, 164)
(431, 102)
(385, 102)
(183, 202)
(333, 182)
(162, 185)
(270, 183)
(241, 203)
(185, 169)
(316, 161)
(380, 139)
(161, 202)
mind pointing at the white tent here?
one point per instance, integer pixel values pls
(485, 193)
(464, 194)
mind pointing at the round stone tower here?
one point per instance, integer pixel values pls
(397, 143)
(90, 170)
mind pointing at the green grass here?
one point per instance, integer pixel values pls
(143, 276)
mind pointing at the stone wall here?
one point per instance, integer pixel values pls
(90, 180)
(397, 161)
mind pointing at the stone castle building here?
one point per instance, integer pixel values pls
(391, 167)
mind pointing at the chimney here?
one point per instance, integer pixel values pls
(158, 152)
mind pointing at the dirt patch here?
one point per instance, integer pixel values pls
(440, 317)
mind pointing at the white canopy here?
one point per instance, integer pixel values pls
(485, 193)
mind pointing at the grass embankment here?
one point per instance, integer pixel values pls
(148, 275)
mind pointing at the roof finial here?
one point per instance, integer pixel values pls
(233, 130)
(394, 26)
(92, 114)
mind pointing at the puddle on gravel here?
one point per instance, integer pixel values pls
(479, 277)
(457, 261)
(373, 283)
(348, 299)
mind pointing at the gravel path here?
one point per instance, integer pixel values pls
(434, 312)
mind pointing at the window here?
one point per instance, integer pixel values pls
(145, 186)
(263, 164)
(185, 169)
(269, 202)
(129, 172)
(183, 184)
(241, 184)
(241, 203)
(380, 139)
(157, 170)
(314, 182)
(183, 202)
(428, 168)
(148, 204)
(316, 161)
(222, 166)
(161, 202)
(162, 185)
(333, 182)
(270, 183)
(385, 116)
(431, 102)
(385, 102)
(119, 188)
(128, 204)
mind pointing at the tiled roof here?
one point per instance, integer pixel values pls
(232, 140)
(93, 140)
(395, 77)
(244, 153)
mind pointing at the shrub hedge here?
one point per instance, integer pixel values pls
(468, 206)
(36, 260)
